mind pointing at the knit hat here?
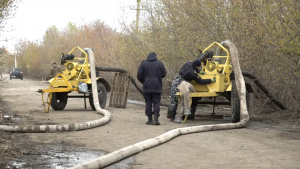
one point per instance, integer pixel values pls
(196, 63)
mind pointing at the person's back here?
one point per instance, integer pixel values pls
(187, 72)
(150, 74)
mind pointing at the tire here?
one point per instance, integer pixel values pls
(235, 103)
(59, 100)
(102, 96)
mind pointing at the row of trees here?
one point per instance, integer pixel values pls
(7, 8)
(266, 34)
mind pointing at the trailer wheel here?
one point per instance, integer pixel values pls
(235, 103)
(59, 100)
(102, 96)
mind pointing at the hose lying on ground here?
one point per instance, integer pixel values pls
(68, 127)
(141, 146)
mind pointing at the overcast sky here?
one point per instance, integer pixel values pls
(33, 17)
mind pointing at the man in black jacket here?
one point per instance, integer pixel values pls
(188, 72)
(150, 74)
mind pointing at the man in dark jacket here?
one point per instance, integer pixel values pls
(188, 72)
(150, 74)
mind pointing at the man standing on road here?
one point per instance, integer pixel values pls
(150, 74)
(54, 70)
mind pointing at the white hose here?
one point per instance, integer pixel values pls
(141, 146)
(107, 115)
(68, 127)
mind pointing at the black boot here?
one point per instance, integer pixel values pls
(150, 122)
(192, 115)
(156, 115)
(171, 114)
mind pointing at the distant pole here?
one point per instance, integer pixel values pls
(137, 16)
(16, 60)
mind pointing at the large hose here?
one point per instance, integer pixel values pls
(265, 90)
(109, 69)
(256, 81)
(73, 126)
(220, 50)
(141, 146)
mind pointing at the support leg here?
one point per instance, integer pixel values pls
(214, 106)
(84, 101)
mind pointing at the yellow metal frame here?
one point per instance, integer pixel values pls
(48, 102)
(226, 65)
(51, 90)
(68, 88)
(85, 59)
(222, 78)
(207, 90)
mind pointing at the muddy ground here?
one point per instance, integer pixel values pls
(270, 140)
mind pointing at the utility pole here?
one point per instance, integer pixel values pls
(137, 16)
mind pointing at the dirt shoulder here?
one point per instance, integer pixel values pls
(258, 145)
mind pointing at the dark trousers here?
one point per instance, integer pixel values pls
(152, 100)
(174, 100)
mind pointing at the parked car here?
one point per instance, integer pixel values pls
(16, 73)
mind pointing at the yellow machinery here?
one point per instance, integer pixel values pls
(77, 73)
(224, 85)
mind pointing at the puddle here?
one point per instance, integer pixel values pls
(60, 156)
